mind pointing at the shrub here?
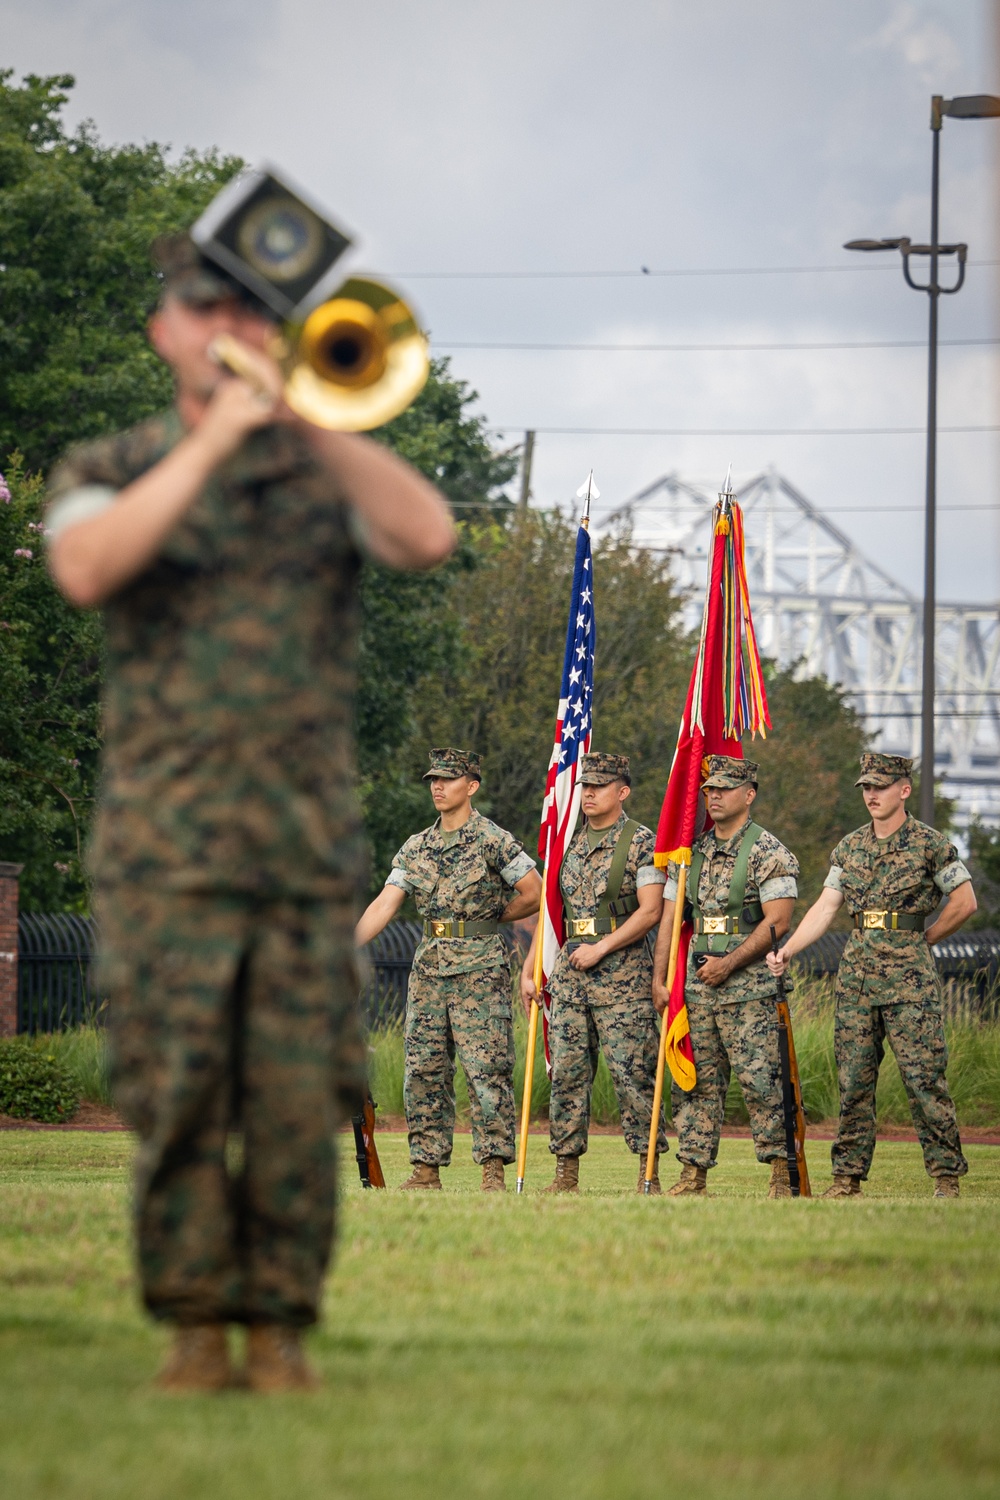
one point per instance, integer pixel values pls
(34, 1085)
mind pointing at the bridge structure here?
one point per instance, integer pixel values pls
(824, 609)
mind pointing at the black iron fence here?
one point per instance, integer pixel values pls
(56, 988)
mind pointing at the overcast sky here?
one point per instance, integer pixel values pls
(580, 135)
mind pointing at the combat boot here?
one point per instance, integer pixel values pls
(780, 1186)
(493, 1175)
(567, 1178)
(276, 1361)
(422, 1176)
(654, 1181)
(198, 1360)
(946, 1187)
(692, 1180)
(843, 1186)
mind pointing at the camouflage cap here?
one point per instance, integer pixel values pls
(188, 276)
(729, 771)
(450, 764)
(600, 769)
(883, 770)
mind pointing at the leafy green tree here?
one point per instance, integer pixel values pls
(984, 867)
(76, 281)
(50, 658)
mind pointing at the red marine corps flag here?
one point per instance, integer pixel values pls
(726, 698)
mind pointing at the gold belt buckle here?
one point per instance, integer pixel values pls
(585, 927)
(874, 921)
(713, 925)
(440, 929)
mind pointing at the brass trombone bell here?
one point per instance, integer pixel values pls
(357, 360)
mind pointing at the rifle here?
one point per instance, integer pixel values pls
(369, 1166)
(791, 1095)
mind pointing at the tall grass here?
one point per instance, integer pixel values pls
(973, 1065)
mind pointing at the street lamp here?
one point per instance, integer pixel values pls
(969, 107)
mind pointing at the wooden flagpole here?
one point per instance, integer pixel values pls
(661, 1060)
(529, 1056)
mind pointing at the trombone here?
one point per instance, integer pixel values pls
(355, 362)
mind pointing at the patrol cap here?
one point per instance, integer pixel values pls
(449, 764)
(188, 276)
(600, 769)
(730, 771)
(883, 770)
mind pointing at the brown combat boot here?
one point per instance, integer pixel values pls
(198, 1360)
(946, 1187)
(422, 1176)
(567, 1178)
(780, 1185)
(692, 1180)
(654, 1182)
(843, 1186)
(493, 1175)
(276, 1361)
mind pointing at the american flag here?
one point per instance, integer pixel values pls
(574, 725)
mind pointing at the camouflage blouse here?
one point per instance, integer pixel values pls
(229, 753)
(910, 871)
(470, 878)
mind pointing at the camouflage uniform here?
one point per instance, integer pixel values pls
(888, 987)
(460, 989)
(226, 855)
(609, 1006)
(734, 1024)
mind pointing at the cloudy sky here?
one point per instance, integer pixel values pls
(580, 136)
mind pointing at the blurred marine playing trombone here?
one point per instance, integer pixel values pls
(223, 539)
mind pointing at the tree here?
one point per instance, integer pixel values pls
(50, 658)
(76, 281)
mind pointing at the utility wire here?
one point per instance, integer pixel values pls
(647, 274)
(716, 348)
(734, 431)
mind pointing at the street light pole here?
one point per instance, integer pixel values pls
(969, 107)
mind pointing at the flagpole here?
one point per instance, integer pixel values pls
(661, 1060)
(529, 1055)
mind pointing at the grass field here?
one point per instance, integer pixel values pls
(608, 1346)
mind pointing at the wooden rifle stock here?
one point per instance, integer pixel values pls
(369, 1166)
(791, 1094)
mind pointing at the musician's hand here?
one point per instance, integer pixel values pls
(715, 970)
(241, 403)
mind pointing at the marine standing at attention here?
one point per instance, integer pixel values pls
(220, 537)
(891, 874)
(601, 983)
(742, 881)
(466, 876)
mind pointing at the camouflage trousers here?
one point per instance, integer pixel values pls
(467, 1014)
(739, 1037)
(915, 1032)
(237, 1049)
(578, 1029)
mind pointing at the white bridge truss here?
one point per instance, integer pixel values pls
(821, 606)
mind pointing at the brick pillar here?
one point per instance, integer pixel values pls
(9, 888)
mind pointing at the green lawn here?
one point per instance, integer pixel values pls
(605, 1346)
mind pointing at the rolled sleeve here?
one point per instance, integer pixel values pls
(834, 880)
(521, 865)
(80, 504)
(649, 875)
(779, 888)
(398, 877)
(951, 877)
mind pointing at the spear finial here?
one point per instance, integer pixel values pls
(588, 491)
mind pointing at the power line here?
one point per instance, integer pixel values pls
(644, 274)
(733, 431)
(713, 348)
